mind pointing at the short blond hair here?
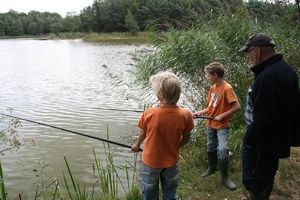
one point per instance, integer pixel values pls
(215, 67)
(167, 85)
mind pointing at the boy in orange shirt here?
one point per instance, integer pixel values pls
(165, 129)
(222, 104)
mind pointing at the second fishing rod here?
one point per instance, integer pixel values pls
(141, 111)
(70, 131)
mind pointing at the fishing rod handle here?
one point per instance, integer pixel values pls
(205, 117)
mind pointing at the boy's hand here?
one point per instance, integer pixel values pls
(135, 148)
(219, 118)
(198, 113)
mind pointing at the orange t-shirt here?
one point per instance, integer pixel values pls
(219, 100)
(164, 126)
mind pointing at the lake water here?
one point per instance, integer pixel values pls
(60, 83)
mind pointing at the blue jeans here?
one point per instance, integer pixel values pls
(217, 140)
(150, 182)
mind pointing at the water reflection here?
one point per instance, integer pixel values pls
(60, 83)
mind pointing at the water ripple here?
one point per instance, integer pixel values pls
(60, 83)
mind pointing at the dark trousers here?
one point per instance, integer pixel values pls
(258, 173)
(263, 195)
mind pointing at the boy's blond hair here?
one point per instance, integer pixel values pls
(167, 85)
(215, 67)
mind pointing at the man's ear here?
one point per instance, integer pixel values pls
(259, 52)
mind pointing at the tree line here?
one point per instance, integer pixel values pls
(137, 15)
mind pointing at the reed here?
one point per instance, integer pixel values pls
(2, 187)
(109, 180)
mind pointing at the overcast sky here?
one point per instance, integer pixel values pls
(59, 6)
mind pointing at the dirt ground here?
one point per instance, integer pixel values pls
(287, 179)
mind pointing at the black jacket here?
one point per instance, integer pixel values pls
(276, 108)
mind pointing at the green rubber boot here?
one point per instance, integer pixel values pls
(224, 174)
(212, 162)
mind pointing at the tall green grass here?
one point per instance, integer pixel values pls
(2, 187)
(109, 180)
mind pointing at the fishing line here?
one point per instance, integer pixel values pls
(140, 111)
(70, 131)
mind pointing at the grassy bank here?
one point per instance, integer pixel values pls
(103, 37)
(187, 53)
(193, 187)
(116, 38)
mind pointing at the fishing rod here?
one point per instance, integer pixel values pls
(141, 111)
(75, 132)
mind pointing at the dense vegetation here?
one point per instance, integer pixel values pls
(187, 52)
(217, 39)
(133, 16)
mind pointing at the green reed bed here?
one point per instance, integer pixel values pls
(108, 184)
(108, 174)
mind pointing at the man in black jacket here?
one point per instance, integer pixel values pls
(272, 115)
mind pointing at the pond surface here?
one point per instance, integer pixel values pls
(62, 83)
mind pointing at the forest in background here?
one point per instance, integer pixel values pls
(107, 16)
